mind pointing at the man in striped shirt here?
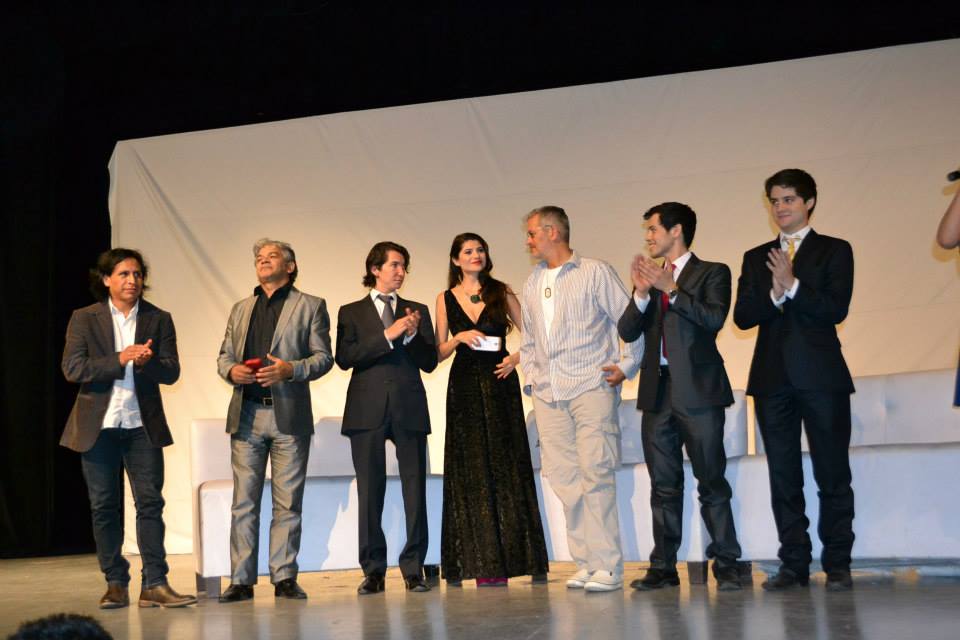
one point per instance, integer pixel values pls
(571, 361)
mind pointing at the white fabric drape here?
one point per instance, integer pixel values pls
(878, 130)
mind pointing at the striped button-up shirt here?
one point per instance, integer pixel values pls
(588, 300)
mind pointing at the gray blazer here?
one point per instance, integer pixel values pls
(302, 338)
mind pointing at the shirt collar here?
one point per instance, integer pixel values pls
(279, 294)
(374, 293)
(798, 236)
(574, 260)
(680, 263)
(116, 312)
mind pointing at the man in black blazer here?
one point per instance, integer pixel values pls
(797, 288)
(678, 308)
(120, 350)
(387, 341)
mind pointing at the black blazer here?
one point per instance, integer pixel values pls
(384, 379)
(799, 345)
(691, 325)
(90, 358)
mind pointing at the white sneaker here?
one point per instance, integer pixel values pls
(579, 579)
(604, 581)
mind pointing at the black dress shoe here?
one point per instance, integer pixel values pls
(656, 579)
(416, 583)
(116, 597)
(289, 589)
(539, 578)
(839, 580)
(237, 592)
(728, 578)
(372, 583)
(785, 579)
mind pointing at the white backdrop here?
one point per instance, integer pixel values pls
(877, 129)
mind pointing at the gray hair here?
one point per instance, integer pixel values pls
(551, 216)
(285, 249)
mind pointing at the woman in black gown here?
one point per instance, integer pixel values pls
(491, 518)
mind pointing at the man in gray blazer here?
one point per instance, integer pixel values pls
(276, 342)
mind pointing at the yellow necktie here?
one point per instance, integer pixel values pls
(791, 247)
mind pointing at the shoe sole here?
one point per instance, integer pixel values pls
(575, 584)
(150, 604)
(599, 587)
(795, 585)
(114, 605)
(729, 587)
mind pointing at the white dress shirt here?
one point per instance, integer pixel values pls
(798, 238)
(123, 410)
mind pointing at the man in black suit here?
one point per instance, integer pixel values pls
(120, 350)
(387, 341)
(797, 288)
(679, 307)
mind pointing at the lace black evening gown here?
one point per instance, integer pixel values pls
(491, 519)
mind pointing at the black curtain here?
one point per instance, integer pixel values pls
(78, 77)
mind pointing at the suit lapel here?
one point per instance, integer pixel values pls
(240, 332)
(807, 247)
(104, 324)
(293, 299)
(145, 318)
(690, 273)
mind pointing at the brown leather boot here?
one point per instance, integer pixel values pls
(163, 596)
(116, 596)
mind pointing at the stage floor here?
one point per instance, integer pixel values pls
(898, 603)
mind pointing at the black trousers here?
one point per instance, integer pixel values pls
(826, 418)
(664, 431)
(369, 461)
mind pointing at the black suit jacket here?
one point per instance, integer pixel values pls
(691, 325)
(384, 379)
(90, 358)
(798, 345)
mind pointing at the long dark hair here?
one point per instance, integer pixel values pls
(493, 292)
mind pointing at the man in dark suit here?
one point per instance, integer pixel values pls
(797, 288)
(387, 341)
(120, 350)
(277, 341)
(679, 307)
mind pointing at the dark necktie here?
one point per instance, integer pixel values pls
(387, 315)
(664, 305)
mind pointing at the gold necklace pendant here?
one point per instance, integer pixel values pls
(547, 292)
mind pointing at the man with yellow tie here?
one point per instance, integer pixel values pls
(796, 289)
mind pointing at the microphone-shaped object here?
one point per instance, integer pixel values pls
(953, 176)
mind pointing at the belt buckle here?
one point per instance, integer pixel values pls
(267, 402)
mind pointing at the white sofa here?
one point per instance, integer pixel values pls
(905, 459)
(905, 456)
(633, 489)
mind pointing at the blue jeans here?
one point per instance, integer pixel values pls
(103, 465)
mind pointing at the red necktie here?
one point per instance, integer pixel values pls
(664, 305)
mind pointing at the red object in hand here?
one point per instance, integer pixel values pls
(253, 364)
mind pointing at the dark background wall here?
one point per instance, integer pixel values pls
(77, 78)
